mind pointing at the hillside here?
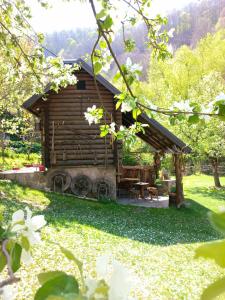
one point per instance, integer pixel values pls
(191, 24)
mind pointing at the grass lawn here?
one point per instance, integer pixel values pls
(17, 160)
(156, 244)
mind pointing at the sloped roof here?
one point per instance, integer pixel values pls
(159, 137)
(32, 100)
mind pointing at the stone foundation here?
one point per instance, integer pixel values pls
(40, 180)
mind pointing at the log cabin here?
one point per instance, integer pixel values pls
(75, 156)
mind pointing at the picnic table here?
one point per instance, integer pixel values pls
(142, 186)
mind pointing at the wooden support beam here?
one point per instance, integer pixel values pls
(46, 138)
(157, 164)
(179, 179)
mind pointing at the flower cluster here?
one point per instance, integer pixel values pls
(26, 231)
(93, 114)
(114, 284)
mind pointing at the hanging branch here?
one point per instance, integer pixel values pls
(149, 26)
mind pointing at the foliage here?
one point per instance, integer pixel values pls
(13, 159)
(24, 147)
(215, 251)
(190, 81)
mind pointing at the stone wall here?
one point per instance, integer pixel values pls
(41, 180)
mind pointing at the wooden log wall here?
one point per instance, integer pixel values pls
(68, 138)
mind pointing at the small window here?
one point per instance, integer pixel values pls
(81, 85)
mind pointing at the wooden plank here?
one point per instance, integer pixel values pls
(78, 141)
(83, 156)
(83, 162)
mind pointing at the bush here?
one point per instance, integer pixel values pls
(25, 147)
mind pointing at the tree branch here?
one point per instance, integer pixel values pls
(12, 279)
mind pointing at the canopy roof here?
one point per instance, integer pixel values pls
(159, 137)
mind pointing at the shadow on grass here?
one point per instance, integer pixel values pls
(213, 193)
(149, 225)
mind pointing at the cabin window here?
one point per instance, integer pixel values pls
(81, 85)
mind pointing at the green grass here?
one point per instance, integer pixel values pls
(17, 160)
(157, 245)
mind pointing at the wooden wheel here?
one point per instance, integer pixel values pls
(103, 189)
(59, 181)
(81, 185)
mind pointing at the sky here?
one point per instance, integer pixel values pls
(73, 14)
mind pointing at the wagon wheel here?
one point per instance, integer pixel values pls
(81, 185)
(59, 181)
(103, 189)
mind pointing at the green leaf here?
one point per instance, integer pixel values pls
(2, 261)
(2, 234)
(15, 257)
(193, 119)
(218, 221)
(135, 113)
(118, 103)
(117, 76)
(104, 130)
(214, 251)
(64, 286)
(25, 243)
(46, 276)
(101, 14)
(214, 290)
(107, 22)
(103, 44)
(97, 67)
(71, 256)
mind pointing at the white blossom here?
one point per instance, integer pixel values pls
(102, 266)
(171, 32)
(183, 106)
(221, 96)
(132, 67)
(120, 282)
(91, 285)
(26, 257)
(93, 115)
(8, 292)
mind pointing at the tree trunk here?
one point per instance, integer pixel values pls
(216, 176)
(179, 179)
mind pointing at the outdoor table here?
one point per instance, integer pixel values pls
(129, 181)
(142, 186)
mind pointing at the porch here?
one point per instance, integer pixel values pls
(140, 182)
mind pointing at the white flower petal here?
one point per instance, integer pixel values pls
(29, 213)
(91, 286)
(102, 265)
(120, 283)
(17, 228)
(26, 257)
(18, 216)
(8, 292)
(38, 222)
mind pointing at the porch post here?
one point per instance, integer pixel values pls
(157, 164)
(179, 179)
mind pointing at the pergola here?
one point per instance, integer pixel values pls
(162, 141)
